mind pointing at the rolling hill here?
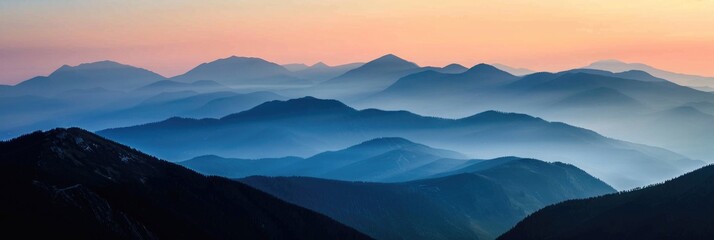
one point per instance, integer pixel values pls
(478, 204)
(307, 126)
(243, 72)
(377, 160)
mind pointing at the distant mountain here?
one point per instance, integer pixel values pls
(676, 209)
(72, 184)
(242, 72)
(105, 74)
(377, 160)
(514, 71)
(686, 128)
(370, 77)
(307, 126)
(608, 100)
(183, 104)
(321, 72)
(682, 79)
(472, 205)
(174, 86)
(226, 105)
(431, 84)
(295, 66)
(558, 96)
(630, 74)
(706, 89)
(451, 68)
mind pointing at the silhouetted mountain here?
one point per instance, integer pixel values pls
(704, 88)
(182, 104)
(377, 160)
(243, 72)
(609, 100)
(630, 74)
(72, 184)
(105, 74)
(549, 95)
(474, 205)
(425, 85)
(451, 68)
(454, 68)
(682, 79)
(307, 126)
(514, 71)
(676, 209)
(370, 77)
(295, 66)
(686, 128)
(705, 107)
(321, 72)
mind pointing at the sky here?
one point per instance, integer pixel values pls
(171, 37)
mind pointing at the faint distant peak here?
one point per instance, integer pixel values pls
(514, 70)
(388, 141)
(498, 116)
(293, 67)
(610, 61)
(106, 64)
(485, 69)
(294, 108)
(391, 59)
(454, 68)
(454, 65)
(319, 65)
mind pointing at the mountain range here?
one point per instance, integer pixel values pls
(320, 72)
(610, 103)
(107, 75)
(377, 160)
(676, 209)
(679, 78)
(308, 126)
(70, 183)
(480, 203)
(243, 72)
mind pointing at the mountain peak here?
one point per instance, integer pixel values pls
(319, 65)
(609, 61)
(487, 72)
(391, 59)
(296, 107)
(482, 67)
(454, 65)
(394, 141)
(105, 64)
(498, 116)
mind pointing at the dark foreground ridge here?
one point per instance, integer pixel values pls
(677, 209)
(72, 184)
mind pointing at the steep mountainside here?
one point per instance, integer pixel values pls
(69, 183)
(677, 209)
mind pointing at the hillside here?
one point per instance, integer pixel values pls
(471, 205)
(677, 209)
(69, 183)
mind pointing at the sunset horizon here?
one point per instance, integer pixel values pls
(171, 37)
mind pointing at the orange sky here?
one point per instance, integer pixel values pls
(170, 37)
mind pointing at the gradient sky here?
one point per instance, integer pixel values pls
(170, 37)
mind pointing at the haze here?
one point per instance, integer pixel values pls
(170, 37)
